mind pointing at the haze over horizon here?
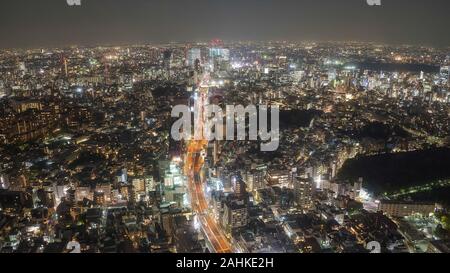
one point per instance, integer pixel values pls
(26, 24)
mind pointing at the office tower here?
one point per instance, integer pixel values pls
(219, 58)
(239, 186)
(256, 179)
(303, 190)
(139, 185)
(235, 215)
(149, 184)
(194, 57)
(219, 53)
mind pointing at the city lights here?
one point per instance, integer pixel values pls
(137, 129)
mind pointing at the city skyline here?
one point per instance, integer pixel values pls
(249, 138)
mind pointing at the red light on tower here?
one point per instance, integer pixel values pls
(216, 43)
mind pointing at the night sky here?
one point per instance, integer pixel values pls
(35, 23)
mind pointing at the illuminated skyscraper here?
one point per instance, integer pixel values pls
(235, 215)
(304, 189)
(239, 186)
(218, 57)
(194, 55)
(220, 53)
(66, 68)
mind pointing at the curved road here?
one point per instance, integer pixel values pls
(193, 166)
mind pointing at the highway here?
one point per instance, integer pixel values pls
(193, 165)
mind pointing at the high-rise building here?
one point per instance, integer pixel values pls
(193, 57)
(66, 68)
(256, 179)
(239, 186)
(127, 80)
(139, 185)
(219, 58)
(4, 182)
(303, 190)
(235, 215)
(149, 184)
(219, 53)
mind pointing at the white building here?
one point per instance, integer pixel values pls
(193, 55)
